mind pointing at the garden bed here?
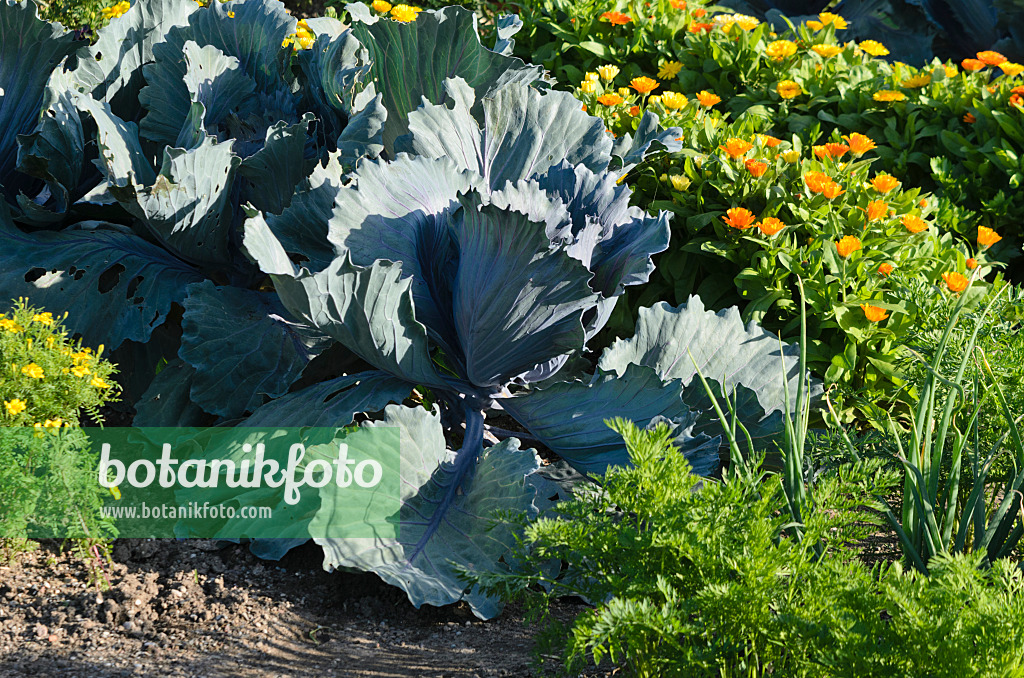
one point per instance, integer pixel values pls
(199, 608)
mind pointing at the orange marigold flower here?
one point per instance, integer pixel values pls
(832, 190)
(837, 150)
(706, 98)
(877, 209)
(768, 141)
(821, 152)
(1016, 100)
(816, 181)
(955, 281)
(616, 18)
(736, 147)
(884, 183)
(885, 269)
(696, 27)
(756, 167)
(770, 226)
(990, 58)
(644, 84)
(874, 313)
(739, 217)
(972, 263)
(848, 245)
(987, 237)
(678, 4)
(969, 119)
(787, 89)
(699, 12)
(1018, 90)
(972, 64)
(913, 223)
(859, 143)
(609, 99)
(634, 111)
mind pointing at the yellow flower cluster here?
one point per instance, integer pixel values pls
(302, 38)
(116, 10)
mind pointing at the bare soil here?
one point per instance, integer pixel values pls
(200, 608)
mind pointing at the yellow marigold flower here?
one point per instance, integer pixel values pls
(859, 143)
(15, 406)
(972, 263)
(707, 99)
(768, 141)
(888, 95)
(990, 58)
(679, 182)
(914, 224)
(98, 383)
(950, 71)
(80, 370)
(643, 84)
(669, 70)
(231, 15)
(770, 226)
(826, 18)
(609, 99)
(10, 325)
(884, 183)
(624, 91)
(919, 80)
(885, 269)
(52, 423)
(746, 23)
(588, 86)
(955, 281)
(405, 13)
(787, 89)
(874, 48)
(592, 77)
(32, 370)
(673, 100)
(44, 318)
(1010, 69)
(877, 209)
(608, 72)
(987, 237)
(780, 49)
(736, 147)
(381, 6)
(791, 156)
(117, 10)
(827, 51)
(874, 313)
(739, 217)
(847, 245)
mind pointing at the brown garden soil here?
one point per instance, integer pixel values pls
(200, 608)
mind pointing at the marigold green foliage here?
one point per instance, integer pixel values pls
(47, 471)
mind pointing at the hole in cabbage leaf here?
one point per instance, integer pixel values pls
(34, 274)
(133, 286)
(110, 278)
